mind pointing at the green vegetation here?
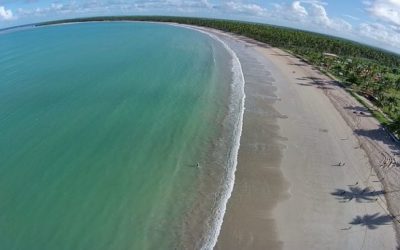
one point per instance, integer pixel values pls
(367, 71)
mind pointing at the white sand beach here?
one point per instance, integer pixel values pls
(309, 161)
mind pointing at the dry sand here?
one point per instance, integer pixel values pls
(290, 192)
(330, 207)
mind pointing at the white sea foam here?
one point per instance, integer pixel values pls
(236, 111)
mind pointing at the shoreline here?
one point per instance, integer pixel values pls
(238, 79)
(326, 219)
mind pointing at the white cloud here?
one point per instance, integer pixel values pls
(385, 10)
(318, 13)
(6, 14)
(385, 34)
(320, 17)
(294, 12)
(352, 17)
(206, 4)
(386, 29)
(51, 9)
(244, 8)
(170, 4)
(117, 6)
(314, 2)
(298, 9)
(311, 13)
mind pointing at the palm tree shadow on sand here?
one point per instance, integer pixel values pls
(372, 221)
(358, 194)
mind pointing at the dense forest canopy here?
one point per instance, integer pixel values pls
(363, 70)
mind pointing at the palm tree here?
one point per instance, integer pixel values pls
(395, 126)
(397, 84)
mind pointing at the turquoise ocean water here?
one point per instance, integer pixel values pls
(101, 126)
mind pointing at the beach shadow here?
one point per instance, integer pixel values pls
(310, 78)
(324, 87)
(358, 194)
(360, 111)
(372, 221)
(253, 42)
(298, 64)
(304, 84)
(374, 134)
(380, 134)
(316, 81)
(277, 54)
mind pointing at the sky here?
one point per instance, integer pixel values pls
(373, 22)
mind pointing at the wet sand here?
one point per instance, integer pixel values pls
(290, 190)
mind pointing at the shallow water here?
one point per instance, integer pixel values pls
(101, 127)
